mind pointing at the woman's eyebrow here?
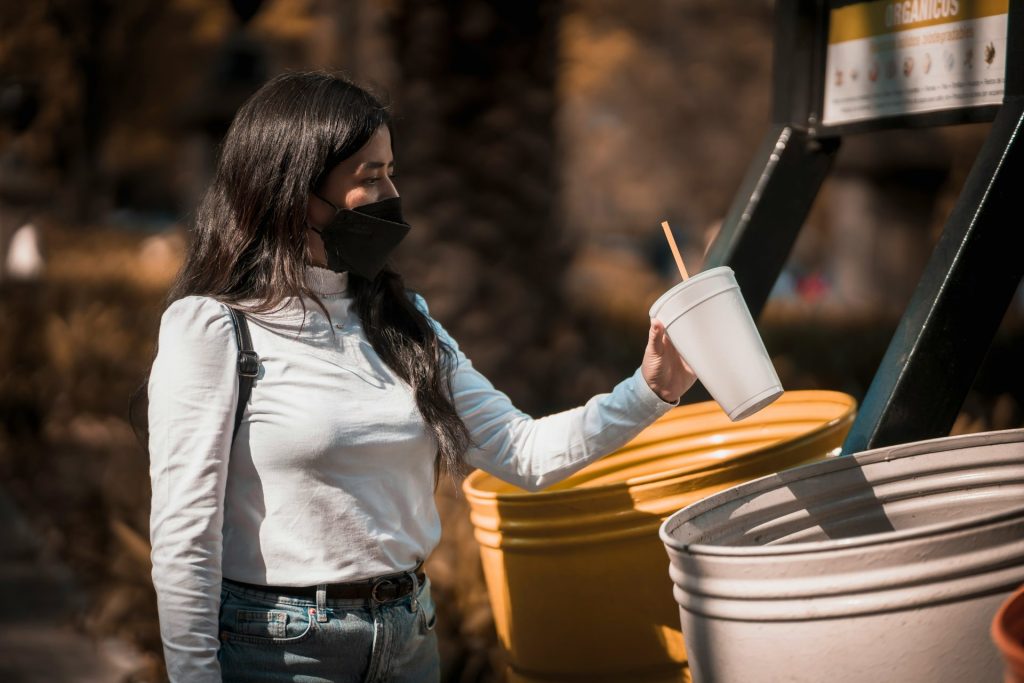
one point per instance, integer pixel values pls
(371, 165)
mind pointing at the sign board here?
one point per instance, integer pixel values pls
(891, 58)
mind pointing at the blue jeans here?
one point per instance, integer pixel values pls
(272, 638)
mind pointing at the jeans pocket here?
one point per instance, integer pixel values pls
(267, 623)
(257, 622)
(428, 610)
(428, 621)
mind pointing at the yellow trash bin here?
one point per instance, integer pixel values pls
(577, 573)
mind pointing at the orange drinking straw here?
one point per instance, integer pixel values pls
(675, 249)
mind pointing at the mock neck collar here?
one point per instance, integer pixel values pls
(325, 282)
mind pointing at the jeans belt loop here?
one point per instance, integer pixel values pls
(414, 604)
(321, 602)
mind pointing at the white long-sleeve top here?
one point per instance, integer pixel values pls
(330, 477)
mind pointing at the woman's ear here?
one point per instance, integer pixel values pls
(317, 214)
(315, 252)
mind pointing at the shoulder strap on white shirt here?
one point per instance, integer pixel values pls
(248, 364)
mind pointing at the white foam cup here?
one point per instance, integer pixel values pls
(712, 329)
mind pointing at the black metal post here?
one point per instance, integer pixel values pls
(962, 297)
(950, 322)
(786, 173)
(770, 207)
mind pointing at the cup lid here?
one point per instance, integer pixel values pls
(703, 276)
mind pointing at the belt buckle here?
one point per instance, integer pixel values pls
(377, 584)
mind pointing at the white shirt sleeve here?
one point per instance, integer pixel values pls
(193, 391)
(536, 453)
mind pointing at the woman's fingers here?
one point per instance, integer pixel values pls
(654, 333)
(666, 342)
(657, 336)
(669, 359)
(662, 344)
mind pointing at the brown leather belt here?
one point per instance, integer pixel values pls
(381, 589)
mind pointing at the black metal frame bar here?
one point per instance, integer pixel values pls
(975, 267)
(962, 296)
(959, 302)
(772, 202)
(789, 167)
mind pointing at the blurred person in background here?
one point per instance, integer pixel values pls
(292, 550)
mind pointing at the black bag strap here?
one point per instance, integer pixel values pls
(248, 364)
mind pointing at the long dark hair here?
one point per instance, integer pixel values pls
(249, 239)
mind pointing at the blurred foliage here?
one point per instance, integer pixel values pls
(67, 455)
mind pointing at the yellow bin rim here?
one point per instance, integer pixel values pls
(796, 418)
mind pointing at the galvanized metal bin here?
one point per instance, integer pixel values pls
(887, 565)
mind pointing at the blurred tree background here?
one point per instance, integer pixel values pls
(539, 144)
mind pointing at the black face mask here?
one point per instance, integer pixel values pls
(361, 239)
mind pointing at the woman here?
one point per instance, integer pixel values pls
(292, 551)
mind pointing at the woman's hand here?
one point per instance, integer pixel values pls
(663, 368)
